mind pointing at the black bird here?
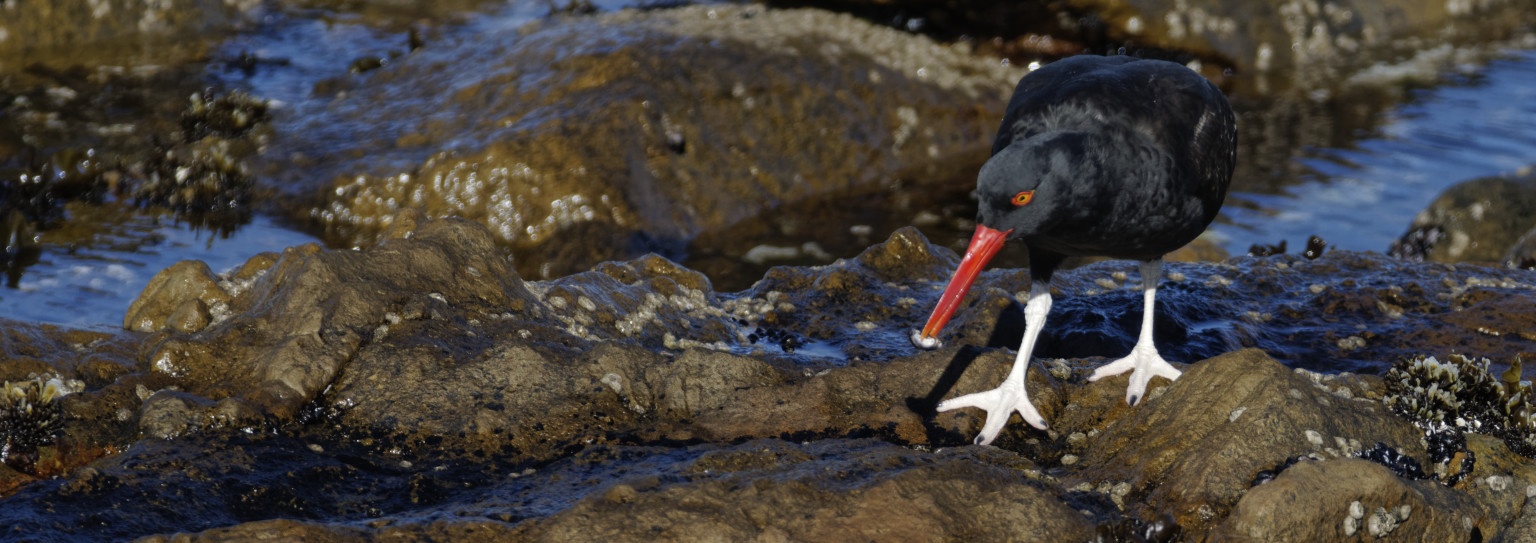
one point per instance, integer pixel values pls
(1105, 156)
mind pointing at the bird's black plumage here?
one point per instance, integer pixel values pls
(1129, 158)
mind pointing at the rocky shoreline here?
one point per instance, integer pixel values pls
(421, 389)
(540, 367)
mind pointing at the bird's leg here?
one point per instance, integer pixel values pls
(1144, 363)
(1011, 396)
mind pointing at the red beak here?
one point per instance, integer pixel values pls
(984, 244)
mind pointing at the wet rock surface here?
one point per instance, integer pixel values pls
(1254, 415)
(421, 389)
(575, 148)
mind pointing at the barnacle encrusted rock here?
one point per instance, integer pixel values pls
(1461, 393)
(29, 418)
(1337, 499)
(1183, 457)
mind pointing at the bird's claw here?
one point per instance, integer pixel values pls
(1000, 404)
(1144, 364)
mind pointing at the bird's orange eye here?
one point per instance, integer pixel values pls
(1022, 198)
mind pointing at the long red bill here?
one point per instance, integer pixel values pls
(984, 244)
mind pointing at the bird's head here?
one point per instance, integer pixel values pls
(1016, 196)
(1007, 191)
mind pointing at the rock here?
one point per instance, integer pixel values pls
(33, 31)
(831, 491)
(169, 414)
(422, 378)
(282, 529)
(654, 339)
(1308, 44)
(1346, 498)
(1502, 483)
(10, 480)
(1482, 220)
(312, 310)
(178, 298)
(1523, 253)
(583, 139)
(1197, 449)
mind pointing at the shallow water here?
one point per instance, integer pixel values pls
(89, 282)
(1358, 195)
(1362, 196)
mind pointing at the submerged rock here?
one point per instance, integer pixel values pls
(421, 389)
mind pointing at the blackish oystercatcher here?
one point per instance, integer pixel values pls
(1097, 156)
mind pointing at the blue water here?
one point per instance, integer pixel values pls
(1364, 196)
(90, 284)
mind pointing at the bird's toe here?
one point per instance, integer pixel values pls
(1112, 369)
(1000, 404)
(1142, 376)
(982, 400)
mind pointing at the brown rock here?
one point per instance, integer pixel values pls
(1503, 484)
(271, 530)
(169, 414)
(1482, 220)
(869, 492)
(1316, 501)
(33, 31)
(1307, 43)
(1200, 445)
(581, 139)
(178, 298)
(1523, 253)
(10, 480)
(313, 310)
(421, 378)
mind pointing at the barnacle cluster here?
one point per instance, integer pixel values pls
(1461, 394)
(229, 115)
(202, 178)
(29, 418)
